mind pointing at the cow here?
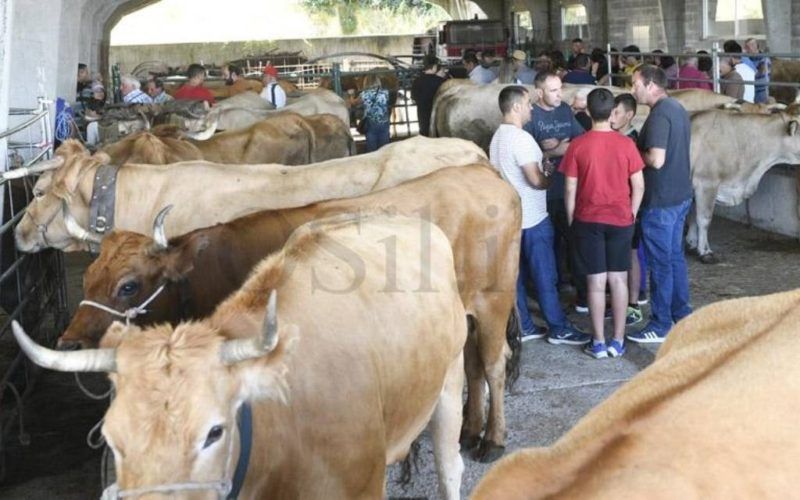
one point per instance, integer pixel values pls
(758, 108)
(208, 193)
(338, 356)
(694, 100)
(712, 417)
(477, 211)
(471, 112)
(286, 138)
(728, 171)
(785, 71)
(243, 110)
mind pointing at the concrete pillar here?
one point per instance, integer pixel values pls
(6, 26)
(778, 20)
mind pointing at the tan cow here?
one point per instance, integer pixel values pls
(353, 363)
(243, 110)
(694, 100)
(477, 210)
(728, 171)
(206, 193)
(471, 112)
(713, 417)
(286, 138)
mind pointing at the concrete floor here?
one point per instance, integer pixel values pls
(557, 385)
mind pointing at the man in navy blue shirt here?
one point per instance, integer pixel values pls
(553, 125)
(664, 143)
(582, 73)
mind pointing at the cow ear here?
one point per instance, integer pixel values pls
(180, 258)
(265, 378)
(793, 126)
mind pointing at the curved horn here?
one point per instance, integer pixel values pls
(36, 168)
(234, 351)
(90, 360)
(74, 229)
(205, 134)
(776, 106)
(158, 228)
(145, 119)
(732, 105)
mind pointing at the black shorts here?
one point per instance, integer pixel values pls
(602, 248)
(637, 234)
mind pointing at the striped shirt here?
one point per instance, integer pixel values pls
(511, 148)
(136, 96)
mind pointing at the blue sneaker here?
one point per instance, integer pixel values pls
(532, 335)
(596, 350)
(616, 349)
(647, 335)
(569, 335)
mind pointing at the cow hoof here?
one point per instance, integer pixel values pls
(489, 452)
(709, 258)
(469, 441)
(692, 251)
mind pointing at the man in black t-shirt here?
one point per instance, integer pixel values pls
(664, 143)
(423, 91)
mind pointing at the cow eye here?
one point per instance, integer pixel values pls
(128, 289)
(38, 193)
(213, 435)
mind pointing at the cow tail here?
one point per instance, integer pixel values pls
(432, 132)
(351, 144)
(410, 465)
(514, 339)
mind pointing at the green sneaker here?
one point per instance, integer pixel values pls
(633, 316)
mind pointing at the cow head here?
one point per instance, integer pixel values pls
(130, 269)
(178, 390)
(43, 225)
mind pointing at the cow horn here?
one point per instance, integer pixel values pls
(145, 119)
(74, 229)
(90, 360)
(205, 134)
(36, 168)
(234, 351)
(732, 105)
(776, 106)
(158, 228)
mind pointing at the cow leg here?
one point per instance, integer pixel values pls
(704, 210)
(691, 233)
(473, 421)
(445, 426)
(492, 319)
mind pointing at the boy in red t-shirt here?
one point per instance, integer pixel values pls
(604, 187)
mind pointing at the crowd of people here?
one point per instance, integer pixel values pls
(741, 63)
(606, 199)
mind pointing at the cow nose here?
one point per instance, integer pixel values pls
(68, 345)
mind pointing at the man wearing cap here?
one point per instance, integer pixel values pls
(273, 92)
(525, 75)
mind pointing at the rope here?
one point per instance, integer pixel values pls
(100, 441)
(90, 394)
(63, 130)
(131, 313)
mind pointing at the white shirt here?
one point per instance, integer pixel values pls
(748, 74)
(481, 75)
(280, 95)
(510, 149)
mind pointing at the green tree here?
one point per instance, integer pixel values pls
(348, 10)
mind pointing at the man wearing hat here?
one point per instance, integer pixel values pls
(525, 75)
(273, 92)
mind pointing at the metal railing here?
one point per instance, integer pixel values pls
(32, 286)
(715, 55)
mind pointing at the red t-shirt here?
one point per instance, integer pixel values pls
(603, 163)
(191, 93)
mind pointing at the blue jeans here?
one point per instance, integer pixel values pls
(537, 261)
(662, 236)
(377, 135)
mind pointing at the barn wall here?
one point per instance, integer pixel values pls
(129, 56)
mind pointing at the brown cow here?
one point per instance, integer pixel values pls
(477, 211)
(713, 417)
(285, 138)
(352, 362)
(206, 193)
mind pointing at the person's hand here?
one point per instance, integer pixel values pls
(548, 167)
(551, 143)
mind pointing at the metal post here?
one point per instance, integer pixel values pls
(608, 61)
(715, 65)
(336, 76)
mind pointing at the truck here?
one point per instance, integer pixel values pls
(478, 34)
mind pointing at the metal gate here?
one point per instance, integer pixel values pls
(32, 286)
